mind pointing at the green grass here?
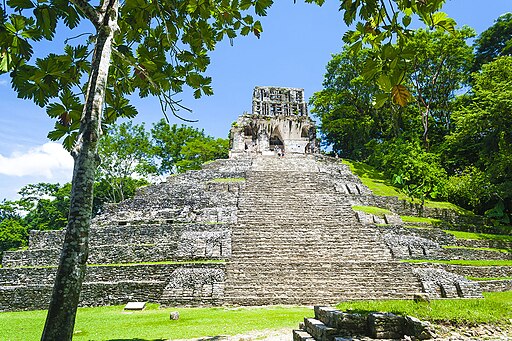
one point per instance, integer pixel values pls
(380, 185)
(374, 180)
(481, 262)
(489, 278)
(112, 323)
(228, 180)
(495, 308)
(480, 236)
(372, 210)
(421, 220)
(477, 248)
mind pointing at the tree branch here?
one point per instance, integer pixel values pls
(89, 11)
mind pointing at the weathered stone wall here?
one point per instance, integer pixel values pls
(480, 271)
(496, 286)
(155, 243)
(30, 288)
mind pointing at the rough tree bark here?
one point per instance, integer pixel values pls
(72, 266)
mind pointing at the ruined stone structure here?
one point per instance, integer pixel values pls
(279, 123)
(254, 229)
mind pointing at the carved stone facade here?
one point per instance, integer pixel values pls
(279, 124)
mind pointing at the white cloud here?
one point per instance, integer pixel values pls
(3, 82)
(49, 161)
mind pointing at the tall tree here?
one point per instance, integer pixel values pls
(482, 140)
(349, 120)
(180, 148)
(201, 149)
(155, 48)
(494, 42)
(125, 152)
(440, 65)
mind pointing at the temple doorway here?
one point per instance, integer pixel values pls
(276, 142)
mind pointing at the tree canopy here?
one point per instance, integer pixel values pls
(450, 141)
(494, 42)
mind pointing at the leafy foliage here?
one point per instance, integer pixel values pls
(126, 154)
(494, 42)
(418, 173)
(12, 235)
(180, 148)
(201, 149)
(160, 47)
(382, 23)
(47, 204)
(481, 144)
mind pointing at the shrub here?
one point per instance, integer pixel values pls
(418, 173)
(471, 189)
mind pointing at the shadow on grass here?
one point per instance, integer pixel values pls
(136, 339)
(205, 338)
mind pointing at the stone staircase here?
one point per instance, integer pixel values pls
(298, 241)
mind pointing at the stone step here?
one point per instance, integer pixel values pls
(319, 330)
(301, 335)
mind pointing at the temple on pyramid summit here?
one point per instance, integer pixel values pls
(279, 123)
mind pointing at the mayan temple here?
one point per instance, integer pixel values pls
(273, 224)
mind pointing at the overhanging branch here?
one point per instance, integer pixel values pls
(89, 11)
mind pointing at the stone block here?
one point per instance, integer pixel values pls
(419, 329)
(300, 335)
(174, 315)
(325, 314)
(318, 330)
(393, 219)
(350, 324)
(135, 306)
(386, 326)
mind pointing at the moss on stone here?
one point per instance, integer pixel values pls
(377, 211)
(228, 180)
(421, 220)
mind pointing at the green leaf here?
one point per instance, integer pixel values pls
(406, 20)
(245, 30)
(355, 48)
(379, 100)
(19, 5)
(56, 134)
(384, 83)
(261, 6)
(55, 110)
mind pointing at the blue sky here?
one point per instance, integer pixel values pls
(296, 44)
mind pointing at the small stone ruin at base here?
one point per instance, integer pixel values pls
(333, 325)
(273, 224)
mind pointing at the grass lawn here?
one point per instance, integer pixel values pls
(489, 278)
(112, 323)
(421, 220)
(480, 236)
(495, 308)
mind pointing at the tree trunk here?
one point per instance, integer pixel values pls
(60, 320)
